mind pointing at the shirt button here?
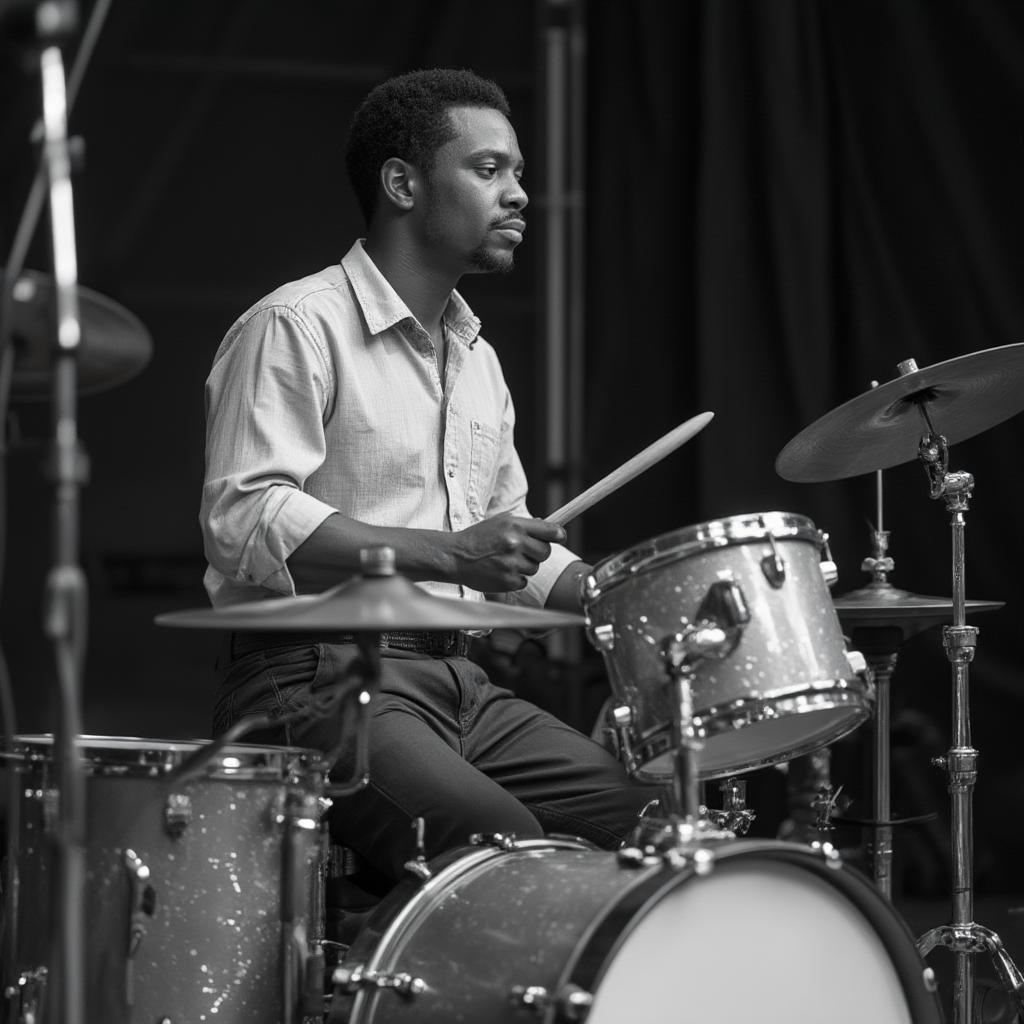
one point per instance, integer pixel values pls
(456, 518)
(451, 472)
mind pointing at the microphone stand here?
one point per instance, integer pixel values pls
(65, 611)
(65, 601)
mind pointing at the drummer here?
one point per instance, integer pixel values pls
(361, 406)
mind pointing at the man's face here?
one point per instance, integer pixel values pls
(472, 216)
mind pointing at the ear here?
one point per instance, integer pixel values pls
(400, 182)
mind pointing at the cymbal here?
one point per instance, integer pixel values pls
(369, 604)
(882, 604)
(115, 344)
(882, 427)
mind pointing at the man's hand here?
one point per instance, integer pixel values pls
(500, 554)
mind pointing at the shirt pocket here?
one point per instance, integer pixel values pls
(485, 448)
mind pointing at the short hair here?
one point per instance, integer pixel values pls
(407, 117)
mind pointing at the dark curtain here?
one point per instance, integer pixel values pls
(786, 200)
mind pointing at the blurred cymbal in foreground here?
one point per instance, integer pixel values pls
(369, 604)
(115, 344)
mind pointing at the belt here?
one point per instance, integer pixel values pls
(451, 643)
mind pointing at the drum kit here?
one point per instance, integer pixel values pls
(171, 881)
(206, 863)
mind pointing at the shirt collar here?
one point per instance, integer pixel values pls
(383, 308)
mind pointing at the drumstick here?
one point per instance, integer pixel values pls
(640, 463)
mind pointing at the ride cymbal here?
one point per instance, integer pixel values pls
(882, 427)
(115, 344)
(369, 604)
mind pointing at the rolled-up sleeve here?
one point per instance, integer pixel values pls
(266, 399)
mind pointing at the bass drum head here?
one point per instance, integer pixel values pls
(761, 939)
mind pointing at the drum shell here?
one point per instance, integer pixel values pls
(547, 916)
(788, 686)
(215, 864)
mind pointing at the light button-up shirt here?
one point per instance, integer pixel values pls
(325, 396)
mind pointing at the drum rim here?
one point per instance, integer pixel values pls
(704, 536)
(718, 721)
(585, 970)
(151, 755)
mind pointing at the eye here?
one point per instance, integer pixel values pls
(487, 170)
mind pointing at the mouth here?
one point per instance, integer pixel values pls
(511, 229)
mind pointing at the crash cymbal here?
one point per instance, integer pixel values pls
(115, 343)
(371, 604)
(882, 427)
(882, 604)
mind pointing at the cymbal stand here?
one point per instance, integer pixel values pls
(963, 935)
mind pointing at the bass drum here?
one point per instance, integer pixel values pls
(549, 930)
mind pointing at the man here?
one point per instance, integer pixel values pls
(360, 406)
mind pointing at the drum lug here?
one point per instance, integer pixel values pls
(571, 1004)
(349, 980)
(829, 569)
(28, 996)
(620, 728)
(602, 637)
(497, 839)
(143, 906)
(772, 565)
(177, 814)
(857, 662)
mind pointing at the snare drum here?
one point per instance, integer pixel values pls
(786, 688)
(550, 931)
(185, 881)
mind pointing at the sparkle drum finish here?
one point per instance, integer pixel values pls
(788, 686)
(188, 882)
(552, 931)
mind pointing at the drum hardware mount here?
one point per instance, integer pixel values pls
(824, 805)
(418, 866)
(721, 618)
(142, 906)
(350, 980)
(734, 815)
(653, 833)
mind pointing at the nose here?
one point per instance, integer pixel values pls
(515, 195)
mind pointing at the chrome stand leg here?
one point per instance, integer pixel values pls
(963, 936)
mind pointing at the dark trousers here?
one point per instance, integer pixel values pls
(445, 745)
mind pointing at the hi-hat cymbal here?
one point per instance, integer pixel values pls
(370, 604)
(882, 604)
(115, 344)
(882, 427)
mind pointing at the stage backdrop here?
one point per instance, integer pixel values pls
(784, 200)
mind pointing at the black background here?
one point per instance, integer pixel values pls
(784, 200)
